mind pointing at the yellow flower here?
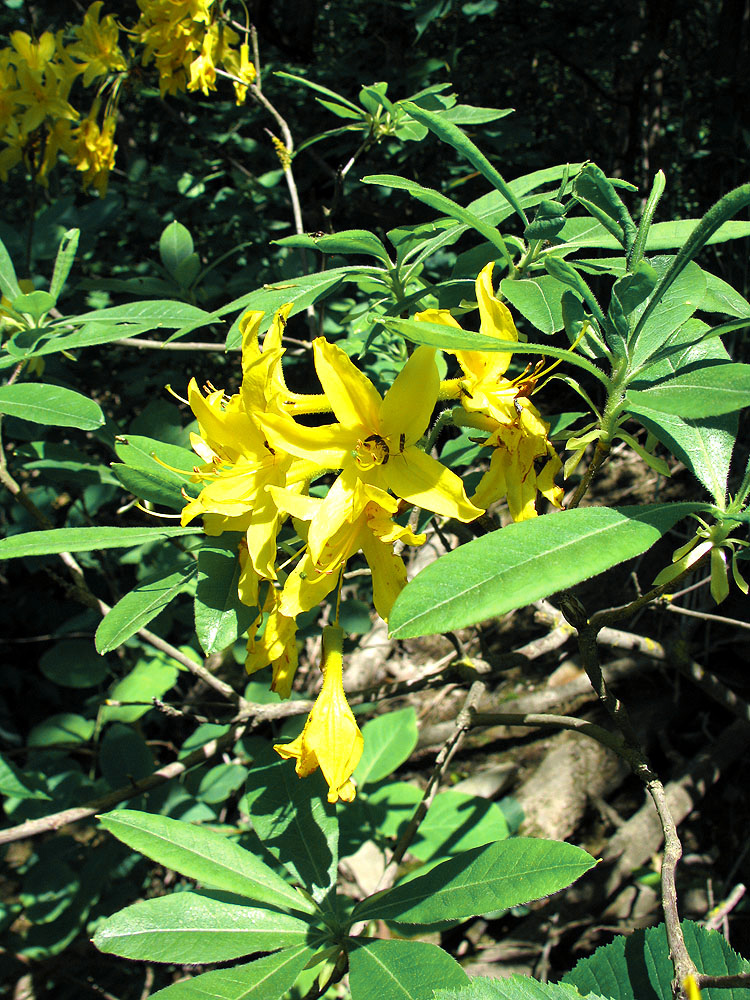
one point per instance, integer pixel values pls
(331, 738)
(239, 460)
(375, 438)
(93, 151)
(97, 48)
(365, 522)
(518, 434)
(277, 646)
(240, 66)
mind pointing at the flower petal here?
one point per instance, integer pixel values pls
(353, 398)
(423, 481)
(327, 446)
(409, 402)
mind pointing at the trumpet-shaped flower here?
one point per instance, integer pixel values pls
(331, 739)
(518, 435)
(375, 440)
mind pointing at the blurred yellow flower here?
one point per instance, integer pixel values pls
(93, 151)
(96, 48)
(331, 738)
(240, 66)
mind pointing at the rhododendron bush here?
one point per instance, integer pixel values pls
(394, 431)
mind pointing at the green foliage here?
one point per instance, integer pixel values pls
(633, 332)
(639, 965)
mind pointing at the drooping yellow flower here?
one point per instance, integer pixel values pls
(241, 67)
(331, 738)
(518, 434)
(374, 440)
(365, 523)
(277, 646)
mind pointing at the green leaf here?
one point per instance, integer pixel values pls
(672, 235)
(347, 242)
(143, 473)
(301, 291)
(704, 446)
(295, 822)
(678, 303)
(448, 338)
(42, 543)
(87, 336)
(175, 245)
(264, 979)
(319, 88)
(66, 727)
(468, 114)
(628, 293)
(221, 781)
(34, 304)
(449, 133)
(442, 204)
(580, 231)
(515, 987)
(721, 297)
(136, 609)
(50, 404)
(389, 741)
(641, 239)
(74, 663)
(220, 616)
(149, 679)
(188, 927)
(638, 965)
(732, 203)
(457, 822)
(159, 314)
(204, 855)
(63, 262)
(8, 279)
(568, 275)
(400, 970)
(598, 195)
(526, 561)
(484, 879)
(704, 392)
(538, 299)
(19, 784)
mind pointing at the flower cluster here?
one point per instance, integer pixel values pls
(186, 40)
(259, 460)
(37, 120)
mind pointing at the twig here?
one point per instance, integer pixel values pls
(740, 981)
(717, 915)
(704, 615)
(600, 453)
(462, 724)
(33, 827)
(175, 345)
(587, 632)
